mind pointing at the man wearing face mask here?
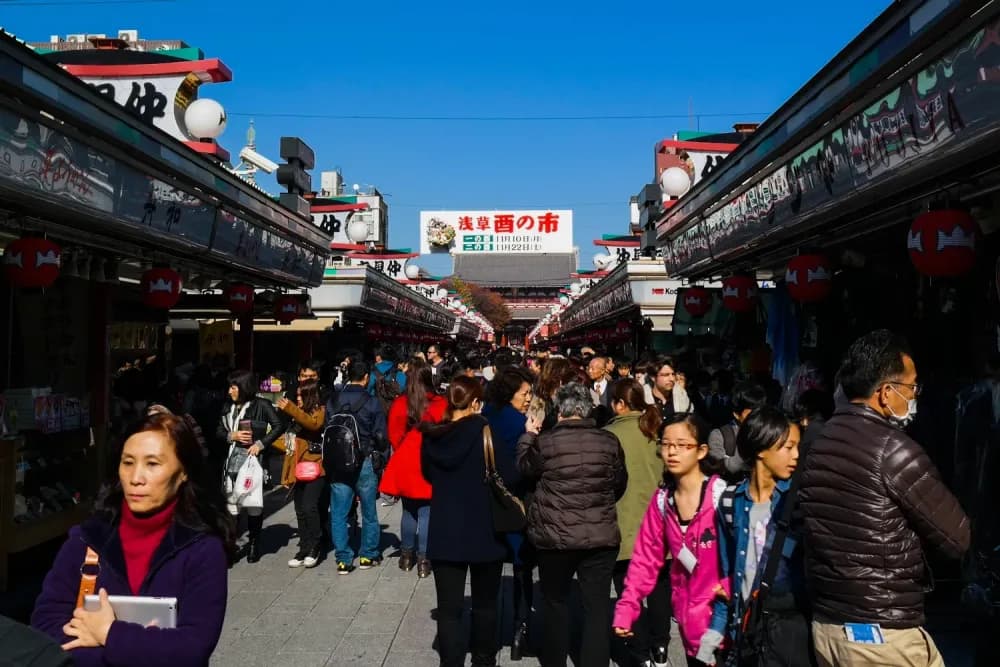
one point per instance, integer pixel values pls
(871, 499)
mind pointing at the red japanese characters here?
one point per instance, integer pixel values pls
(809, 278)
(942, 243)
(161, 288)
(32, 262)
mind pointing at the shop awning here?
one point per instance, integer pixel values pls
(84, 170)
(632, 288)
(909, 103)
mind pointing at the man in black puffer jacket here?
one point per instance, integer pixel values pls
(871, 499)
(572, 521)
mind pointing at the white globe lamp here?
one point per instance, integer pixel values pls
(564, 300)
(205, 119)
(412, 271)
(357, 231)
(675, 181)
(441, 294)
(603, 261)
(462, 307)
(455, 303)
(576, 288)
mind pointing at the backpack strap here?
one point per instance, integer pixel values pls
(781, 532)
(89, 571)
(727, 507)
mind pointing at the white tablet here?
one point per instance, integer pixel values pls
(159, 612)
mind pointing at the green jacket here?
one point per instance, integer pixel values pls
(645, 472)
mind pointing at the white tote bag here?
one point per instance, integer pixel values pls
(248, 489)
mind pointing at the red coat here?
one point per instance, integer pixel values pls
(402, 476)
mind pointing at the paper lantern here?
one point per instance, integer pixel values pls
(943, 243)
(239, 296)
(809, 278)
(739, 293)
(697, 301)
(32, 262)
(161, 288)
(287, 309)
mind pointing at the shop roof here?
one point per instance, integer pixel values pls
(495, 270)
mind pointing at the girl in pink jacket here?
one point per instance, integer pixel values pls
(680, 524)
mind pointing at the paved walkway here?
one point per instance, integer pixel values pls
(381, 617)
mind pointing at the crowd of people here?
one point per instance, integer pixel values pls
(770, 538)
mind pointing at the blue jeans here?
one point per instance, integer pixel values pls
(365, 487)
(413, 527)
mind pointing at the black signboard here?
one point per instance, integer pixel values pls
(383, 295)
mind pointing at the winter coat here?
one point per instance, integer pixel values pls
(580, 473)
(188, 565)
(452, 460)
(871, 498)
(309, 430)
(507, 426)
(265, 423)
(645, 472)
(692, 593)
(27, 647)
(402, 476)
(368, 414)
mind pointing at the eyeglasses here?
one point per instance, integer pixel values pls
(916, 387)
(679, 446)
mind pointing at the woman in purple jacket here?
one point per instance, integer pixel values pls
(160, 531)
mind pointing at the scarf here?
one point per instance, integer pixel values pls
(140, 536)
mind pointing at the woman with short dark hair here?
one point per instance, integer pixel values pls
(250, 425)
(161, 530)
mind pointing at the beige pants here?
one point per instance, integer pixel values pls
(902, 648)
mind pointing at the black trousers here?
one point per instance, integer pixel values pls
(593, 568)
(449, 581)
(653, 625)
(306, 496)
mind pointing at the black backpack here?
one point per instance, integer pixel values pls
(387, 388)
(342, 450)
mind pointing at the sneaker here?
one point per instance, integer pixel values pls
(312, 558)
(368, 563)
(660, 657)
(296, 562)
(344, 568)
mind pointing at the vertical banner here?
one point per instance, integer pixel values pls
(215, 339)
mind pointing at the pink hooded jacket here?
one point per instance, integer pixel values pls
(693, 592)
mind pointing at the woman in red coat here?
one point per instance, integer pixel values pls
(402, 477)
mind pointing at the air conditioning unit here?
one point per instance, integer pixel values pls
(76, 39)
(131, 36)
(98, 36)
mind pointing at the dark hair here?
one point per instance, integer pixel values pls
(358, 370)
(765, 427)
(870, 362)
(507, 382)
(814, 404)
(552, 377)
(622, 361)
(505, 357)
(699, 430)
(462, 391)
(387, 352)
(660, 362)
(419, 383)
(631, 393)
(245, 383)
(309, 393)
(748, 395)
(313, 365)
(200, 503)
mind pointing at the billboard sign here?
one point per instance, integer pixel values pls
(506, 232)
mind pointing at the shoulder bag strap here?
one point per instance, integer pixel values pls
(88, 576)
(488, 454)
(781, 532)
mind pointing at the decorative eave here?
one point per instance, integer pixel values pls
(209, 148)
(350, 247)
(210, 70)
(385, 254)
(619, 242)
(339, 208)
(703, 146)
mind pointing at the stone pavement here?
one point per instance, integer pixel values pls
(278, 616)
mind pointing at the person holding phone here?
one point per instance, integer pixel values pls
(160, 531)
(250, 425)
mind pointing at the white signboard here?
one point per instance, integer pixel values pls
(504, 232)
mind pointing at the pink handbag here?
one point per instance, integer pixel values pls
(308, 471)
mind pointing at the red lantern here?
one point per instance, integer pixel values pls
(287, 309)
(739, 293)
(943, 243)
(32, 262)
(809, 278)
(697, 301)
(240, 298)
(161, 288)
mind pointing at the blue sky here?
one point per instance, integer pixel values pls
(485, 59)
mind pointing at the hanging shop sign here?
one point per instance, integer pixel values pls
(809, 278)
(161, 288)
(32, 262)
(599, 306)
(505, 232)
(739, 293)
(288, 308)
(697, 301)
(949, 105)
(382, 299)
(942, 243)
(239, 297)
(215, 339)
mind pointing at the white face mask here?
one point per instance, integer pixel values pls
(911, 412)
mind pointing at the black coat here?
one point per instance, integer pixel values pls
(262, 416)
(367, 411)
(461, 527)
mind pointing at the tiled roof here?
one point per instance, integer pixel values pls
(491, 270)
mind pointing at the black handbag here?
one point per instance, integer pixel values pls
(751, 644)
(508, 510)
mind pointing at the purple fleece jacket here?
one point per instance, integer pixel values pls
(188, 565)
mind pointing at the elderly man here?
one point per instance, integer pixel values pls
(597, 371)
(872, 500)
(572, 521)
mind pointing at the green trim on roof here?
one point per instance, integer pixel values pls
(689, 135)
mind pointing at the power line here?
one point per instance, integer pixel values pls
(78, 3)
(309, 116)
